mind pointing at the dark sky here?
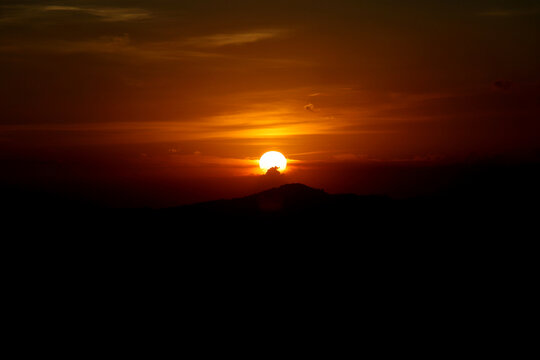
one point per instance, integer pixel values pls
(183, 97)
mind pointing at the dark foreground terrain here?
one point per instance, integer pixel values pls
(489, 211)
(446, 266)
(293, 212)
(479, 202)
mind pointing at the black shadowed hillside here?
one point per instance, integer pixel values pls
(288, 202)
(479, 202)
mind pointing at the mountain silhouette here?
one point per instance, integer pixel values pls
(292, 210)
(287, 200)
(286, 211)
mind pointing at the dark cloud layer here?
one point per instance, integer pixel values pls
(502, 84)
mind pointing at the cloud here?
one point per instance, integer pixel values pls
(309, 107)
(497, 13)
(218, 40)
(348, 157)
(120, 45)
(510, 12)
(106, 14)
(504, 85)
(273, 171)
(18, 13)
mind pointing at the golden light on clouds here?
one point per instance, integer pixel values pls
(217, 40)
(104, 13)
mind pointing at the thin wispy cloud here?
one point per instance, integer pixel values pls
(218, 40)
(510, 12)
(18, 13)
(123, 46)
(105, 14)
(120, 45)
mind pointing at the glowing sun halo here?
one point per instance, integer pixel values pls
(273, 159)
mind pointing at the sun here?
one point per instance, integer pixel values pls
(272, 159)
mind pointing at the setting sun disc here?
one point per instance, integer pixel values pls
(272, 159)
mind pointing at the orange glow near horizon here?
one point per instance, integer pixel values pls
(182, 98)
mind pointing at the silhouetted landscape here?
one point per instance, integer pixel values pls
(398, 257)
(472, 208)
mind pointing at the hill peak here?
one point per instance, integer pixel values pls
(297, 187)
(293, 191)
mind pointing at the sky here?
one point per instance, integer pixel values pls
(157, 103)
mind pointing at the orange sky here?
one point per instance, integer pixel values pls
(186, 96)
